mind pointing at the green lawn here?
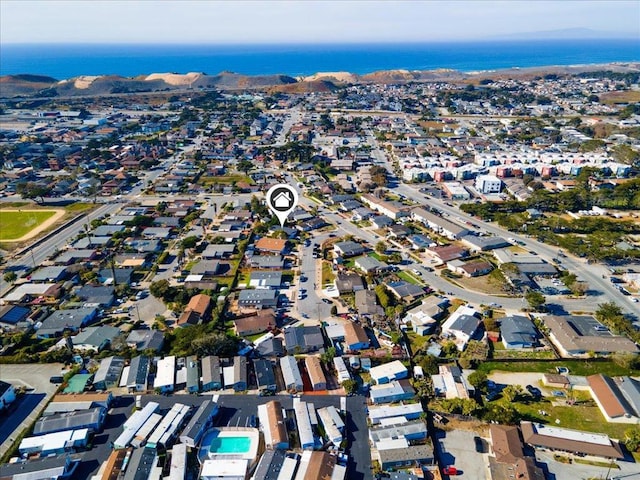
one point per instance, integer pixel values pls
(576, 367)
(577, 417)
(327, 273)
(14, 223)
(407, 277)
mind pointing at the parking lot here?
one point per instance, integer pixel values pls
(26, 409)
(458, 448)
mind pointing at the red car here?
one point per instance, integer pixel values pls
(450, 470)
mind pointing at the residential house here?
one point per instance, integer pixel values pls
(388, 372)
(145, 339)
(475, 268)
(211, 373)
(265, 376)
(405, 291)
(440, 225)
(518, 332)
(370, 264)
(239, 374)
(315, 372)
(572, 442)
(394, 391)
(108, 374)
(262, 321)
(271, 245)
(348, 248)
(70, 320)
(95, 339)
(265, 279)
(14, 317)
(198, 310)
(348, 282)
(258, 299)
(291, 374)
(618, 399)
(425, 316)
(137, 375)
(366, 303)
(303, 339)
(355, 337)
(577, 336)
(450, 383)
(463, 325)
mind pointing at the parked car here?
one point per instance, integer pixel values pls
(450, 470)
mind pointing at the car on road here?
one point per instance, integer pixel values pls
(326, 300)
(450, 470)
(416, 272)
(303, 278)
(495, 305)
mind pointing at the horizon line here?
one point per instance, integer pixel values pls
(629, 36)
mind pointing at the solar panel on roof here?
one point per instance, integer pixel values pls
(15, 314)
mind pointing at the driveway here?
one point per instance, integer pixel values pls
(457, 448)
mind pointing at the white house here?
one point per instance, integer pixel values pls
(488, 184)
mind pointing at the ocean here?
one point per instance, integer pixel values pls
(66, 61)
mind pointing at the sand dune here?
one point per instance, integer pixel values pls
(175, 78)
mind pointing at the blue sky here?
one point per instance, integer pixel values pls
(237, 22)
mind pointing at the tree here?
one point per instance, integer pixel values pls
(10, 277)
(350, 386)
(245, 166)
(429, 364)
(449, 349)
(32, 191)
(160, 288)
(215, 344)
(511, 392)
(328, 355)
(381, 247)
(499, 413)
(190, 242)
(478, 379)
(632, 439)
(423, 387)
(535, 299)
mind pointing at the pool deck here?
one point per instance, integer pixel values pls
(228, 432)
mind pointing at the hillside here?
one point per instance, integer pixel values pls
(41, 86)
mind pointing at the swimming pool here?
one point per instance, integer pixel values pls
(230, 443)
(222, 445)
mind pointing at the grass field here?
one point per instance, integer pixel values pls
(15, 223)
(576, 367)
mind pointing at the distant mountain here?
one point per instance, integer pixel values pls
(565, 34)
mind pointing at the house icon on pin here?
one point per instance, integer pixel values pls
(282, 200)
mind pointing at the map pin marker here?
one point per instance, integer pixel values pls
(281, 200)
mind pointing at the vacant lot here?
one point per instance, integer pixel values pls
(629, 96)
(19, 224)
